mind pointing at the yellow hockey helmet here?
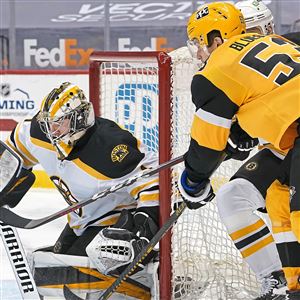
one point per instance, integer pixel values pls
(221, 16)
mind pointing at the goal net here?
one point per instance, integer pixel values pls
(148, 93)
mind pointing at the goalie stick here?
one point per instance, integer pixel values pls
(10, 218)
(10, 167)
(18, 261)
(69, 295)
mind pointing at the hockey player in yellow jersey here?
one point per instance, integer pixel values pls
(83, 156)
(244, 76)
(246, 192)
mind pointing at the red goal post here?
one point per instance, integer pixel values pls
(164, 98)
(148, 93)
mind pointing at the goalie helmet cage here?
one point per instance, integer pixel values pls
(148, 93)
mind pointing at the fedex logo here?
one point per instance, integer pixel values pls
(67, 54)
(156, 44)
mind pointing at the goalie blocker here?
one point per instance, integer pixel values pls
(15, 181)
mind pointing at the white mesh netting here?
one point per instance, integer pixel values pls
(205, 263)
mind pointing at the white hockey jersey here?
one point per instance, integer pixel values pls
(105, 156)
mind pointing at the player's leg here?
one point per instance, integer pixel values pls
(281, 213)
(237, 203)
(67, 263)
(53, 271)
(287, 244)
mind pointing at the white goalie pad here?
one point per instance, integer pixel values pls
(107, 253)
(10, 166)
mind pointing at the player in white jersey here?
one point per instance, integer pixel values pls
(83, 156)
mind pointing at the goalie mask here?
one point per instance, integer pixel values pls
(65, 116)
(258, 17)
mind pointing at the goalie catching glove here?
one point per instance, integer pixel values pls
(114, 248)
(195, 194)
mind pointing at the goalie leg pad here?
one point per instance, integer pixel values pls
(111, 249)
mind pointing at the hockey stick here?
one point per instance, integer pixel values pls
(18, 261)
(137, 260)
(69, 295)
(148, 248)
(10, 166)
(10, 218)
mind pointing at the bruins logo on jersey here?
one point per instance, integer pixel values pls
(119, 153)
(251, 166)
(66, 193)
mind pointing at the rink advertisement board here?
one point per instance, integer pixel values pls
(59, 49)
(21, 94)
(63, 36)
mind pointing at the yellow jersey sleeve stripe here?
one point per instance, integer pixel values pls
(149, 197)
(22, 148)
(26, 162)
(209, 135)
(90, 170)
(42, 144)
(136, 190)
(66, 147)
(109, 222)
(259, 245)
(246, 230)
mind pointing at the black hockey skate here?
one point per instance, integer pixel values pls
(293, 295)
(274, 287)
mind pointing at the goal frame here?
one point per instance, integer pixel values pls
(164, 123)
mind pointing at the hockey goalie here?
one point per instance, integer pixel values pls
(83, 156)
